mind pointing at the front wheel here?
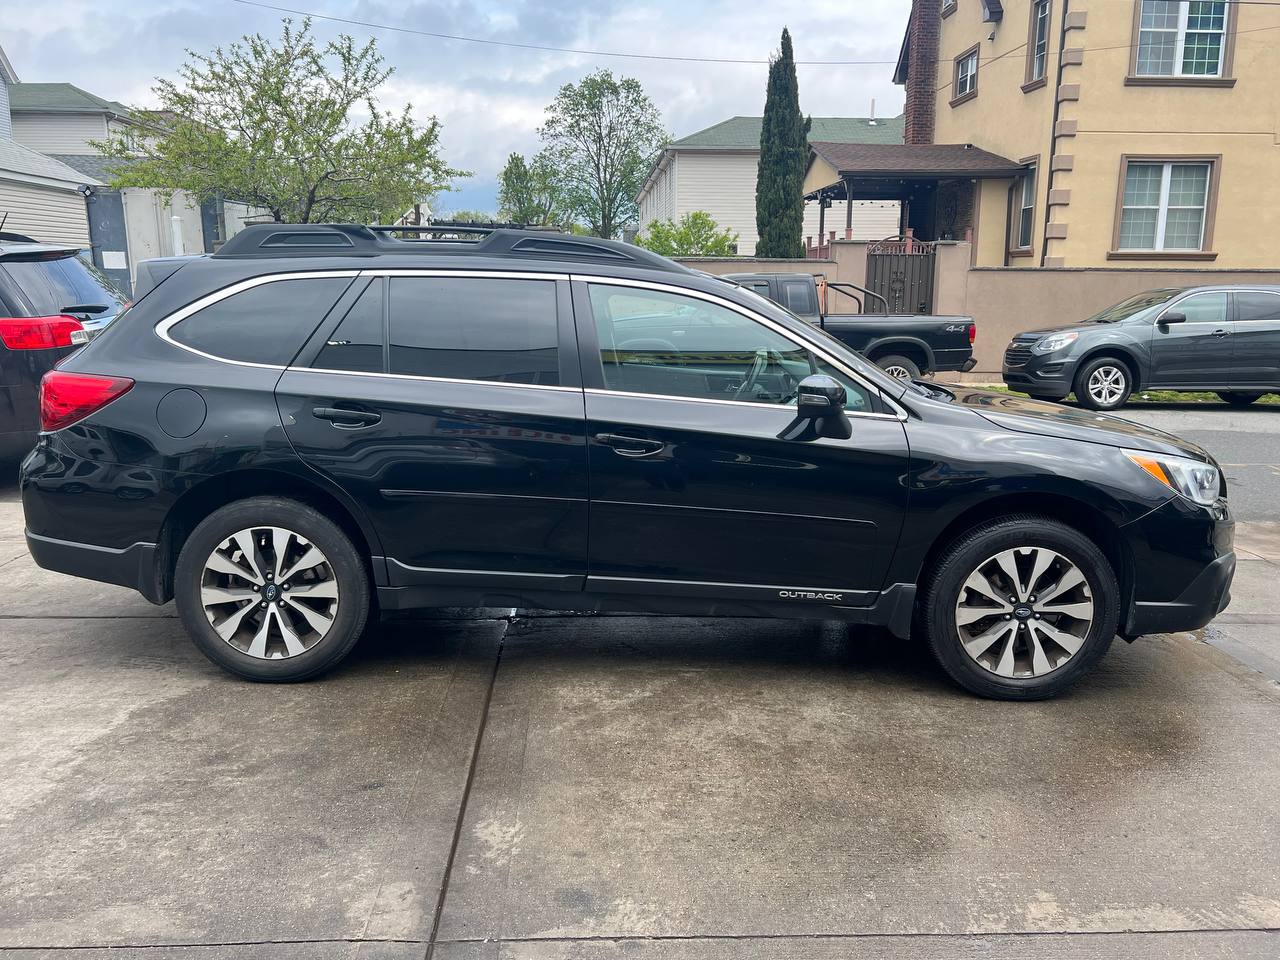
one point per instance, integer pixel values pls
(1020, 609)
(898, 367)
(1237, 398)
(271, 590)
(1103, 384)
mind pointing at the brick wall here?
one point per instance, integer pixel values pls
(922, 70)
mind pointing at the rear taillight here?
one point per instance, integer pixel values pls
(68, 397)
(973, 333)
(42, 333)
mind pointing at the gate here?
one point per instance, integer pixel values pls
(901, 270)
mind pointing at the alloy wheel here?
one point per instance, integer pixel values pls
(897, 372)
(269, 592)
(1024, 612)
(1107, 385)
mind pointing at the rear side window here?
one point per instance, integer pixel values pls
(1257, 306)
(46, 286)
(798, 298)
(356, 345)
(473, 328)
(264, 324)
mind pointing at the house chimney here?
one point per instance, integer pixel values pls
(922, 69)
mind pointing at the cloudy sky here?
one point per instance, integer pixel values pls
(489, 98)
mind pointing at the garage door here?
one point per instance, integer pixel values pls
(50, 216)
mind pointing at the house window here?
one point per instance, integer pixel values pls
(965, 85)
(1038, 42)
(948, 7)
(1181, 38)
(1024, 210)
(1165, 205)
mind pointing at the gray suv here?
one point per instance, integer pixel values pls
(1222, 338)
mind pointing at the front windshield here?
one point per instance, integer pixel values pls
(1134, 305)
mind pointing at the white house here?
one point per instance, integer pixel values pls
(39, 196)
(715, 170)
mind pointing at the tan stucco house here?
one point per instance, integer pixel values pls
(1108, 133)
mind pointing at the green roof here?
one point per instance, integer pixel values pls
(743, 133)
(59, 98)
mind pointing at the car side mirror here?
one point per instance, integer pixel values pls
(820, 412)
(1173, 316)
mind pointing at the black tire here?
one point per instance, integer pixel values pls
(343, 564)
(1236, 398)
(894, 362)
(1108, 367)
(936, 613)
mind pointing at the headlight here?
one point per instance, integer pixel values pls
(1194, 479)
(1055, 341)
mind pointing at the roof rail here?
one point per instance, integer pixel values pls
(274, 240)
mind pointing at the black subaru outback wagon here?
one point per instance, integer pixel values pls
(322, 421)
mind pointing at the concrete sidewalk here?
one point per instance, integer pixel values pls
(611, 787)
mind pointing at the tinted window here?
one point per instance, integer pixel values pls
(1204, 308)
(1134, 305)
(798, 298)
(470, 328)
(49, 285)
(264, 324)
(357, 342)
(668, 344)
(1257, 306)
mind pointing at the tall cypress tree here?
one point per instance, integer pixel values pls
(784, 154)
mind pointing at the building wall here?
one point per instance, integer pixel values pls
(1101, 119)
(6, 125)
(723, 184)
(51, 216)
(59, 132)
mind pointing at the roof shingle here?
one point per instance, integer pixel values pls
(933, 159)
(743, 133)
(59, 98)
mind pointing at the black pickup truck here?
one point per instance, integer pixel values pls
(907, 346)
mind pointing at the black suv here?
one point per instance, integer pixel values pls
(320, 421)
(1220, 338)
(51, 302)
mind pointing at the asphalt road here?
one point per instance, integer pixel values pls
(480, 786)
(1245, 442)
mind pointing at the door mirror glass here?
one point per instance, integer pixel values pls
(1173, 316)
(820, 412)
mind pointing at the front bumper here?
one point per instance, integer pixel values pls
(132, 566)
(1184, 561)
(1047, 376)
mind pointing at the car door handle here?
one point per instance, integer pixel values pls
(345, 418)
(631, 446)
(1220, 333)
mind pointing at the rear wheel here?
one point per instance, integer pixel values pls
(1237, 398)
(272, 590)
(1020, 609)
(1103, 384)
(899, 367)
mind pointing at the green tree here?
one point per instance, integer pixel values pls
(274, 124)
(784, 154)
(528, 191)
(696, 235)
(602, 135)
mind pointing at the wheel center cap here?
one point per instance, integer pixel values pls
(270, 592)
(1022, 612)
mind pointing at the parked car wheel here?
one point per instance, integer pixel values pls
(1103, 384)
(902, 368)
(1236, 398)
(1020, 609)
(271, 590)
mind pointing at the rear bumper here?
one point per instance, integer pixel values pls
(132, 566)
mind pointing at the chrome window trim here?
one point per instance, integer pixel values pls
(750, 315)
(597, 392)
(413, 376)
(163, 327)
(462, 272)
